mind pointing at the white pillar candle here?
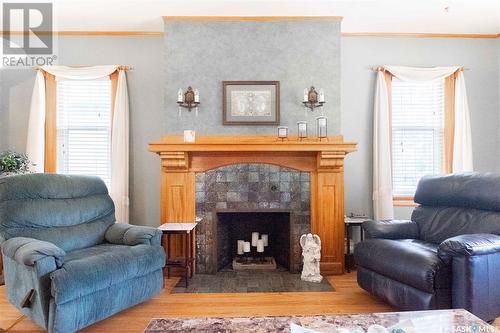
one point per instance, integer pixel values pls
(179, 96)
(240, 245)
(321, 95)
(260, 246)
(255, 238)
(265, 239)
(196, 96)
(246, 247)
(306, 95)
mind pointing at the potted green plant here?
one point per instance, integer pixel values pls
(12, 163)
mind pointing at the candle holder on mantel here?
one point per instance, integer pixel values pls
(190, 99)
(283, 133)
(313, 99)
(322, 127)
(302, 130)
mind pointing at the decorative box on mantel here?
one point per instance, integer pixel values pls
(324, 160)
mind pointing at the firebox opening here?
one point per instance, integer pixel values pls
(234, 226)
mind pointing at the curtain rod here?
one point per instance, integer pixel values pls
(124, 68)
(381, 68)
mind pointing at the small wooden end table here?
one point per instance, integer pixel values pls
(351, 222)
(189, 238)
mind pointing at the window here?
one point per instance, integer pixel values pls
(84, 115)
(418, 133)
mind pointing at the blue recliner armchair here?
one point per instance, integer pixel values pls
(447, 256)
(66, 263)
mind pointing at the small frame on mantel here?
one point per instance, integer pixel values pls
(250, 102)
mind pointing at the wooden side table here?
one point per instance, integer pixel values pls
(351, 222)
(2, 280)
(187, 230)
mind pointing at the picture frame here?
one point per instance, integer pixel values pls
(251, 103)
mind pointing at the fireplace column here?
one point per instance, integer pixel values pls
(177, 198)
(327, 209)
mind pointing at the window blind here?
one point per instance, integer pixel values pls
(84, 128)
(417, 133)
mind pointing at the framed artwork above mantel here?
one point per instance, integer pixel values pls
(250, 102)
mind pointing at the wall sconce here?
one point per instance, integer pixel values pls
(190, 99)
(313, 99)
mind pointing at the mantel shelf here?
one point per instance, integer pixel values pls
(252, 143)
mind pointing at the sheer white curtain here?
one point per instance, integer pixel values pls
(120, 131)
(35, 144)
(462, 145)
(120, 151)
(81, 73)
(462, 141)
(382, 165)
(421, 73)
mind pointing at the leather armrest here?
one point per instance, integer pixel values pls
(391, 229)
(469, 245)
(28, 251)
(127, 234)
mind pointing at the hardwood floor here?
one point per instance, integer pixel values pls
(348, 298)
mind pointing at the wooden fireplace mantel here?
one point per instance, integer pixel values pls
(323, 159)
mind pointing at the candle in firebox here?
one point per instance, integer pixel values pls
(260, 246)
(265, 239)
(246, 247)
(240, 245)
(255, 238)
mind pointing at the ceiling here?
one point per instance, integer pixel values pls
(402, 16)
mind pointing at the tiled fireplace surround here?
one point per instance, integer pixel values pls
(250, 187)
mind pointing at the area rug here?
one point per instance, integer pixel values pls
(250, 281)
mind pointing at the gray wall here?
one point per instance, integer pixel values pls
(296, 53)
(149, 119)
(497, 152)
(4, 134)
(145, 83)
(359, 54)
(15, 96)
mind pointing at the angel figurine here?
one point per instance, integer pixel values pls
(311, 251)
